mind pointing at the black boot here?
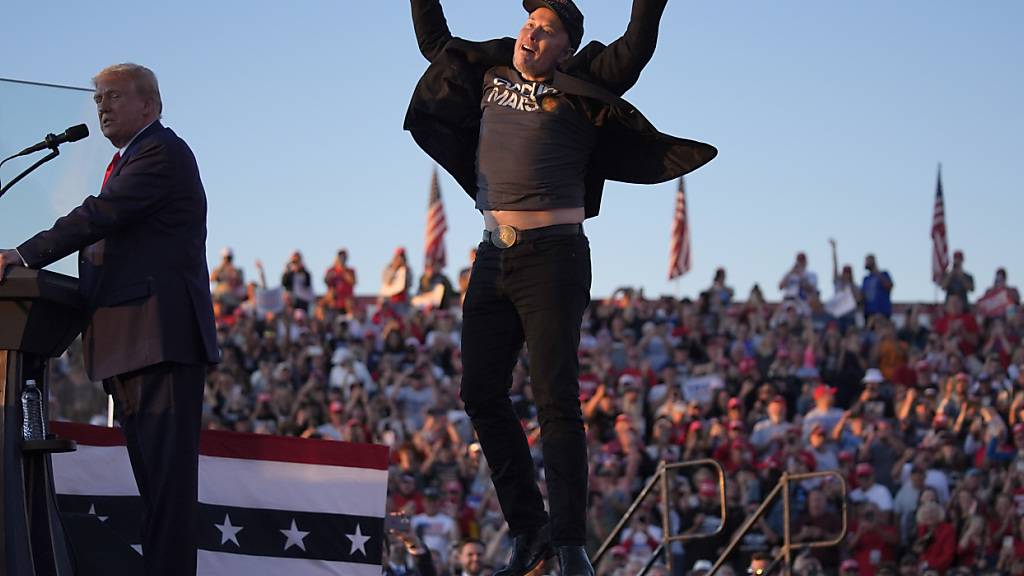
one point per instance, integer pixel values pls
(528, 551)
(574, 562)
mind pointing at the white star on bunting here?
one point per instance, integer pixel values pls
(358, 541)
(295, 537)
(228, 532)
(92, 512)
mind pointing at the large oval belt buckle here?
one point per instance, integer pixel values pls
(505, 236)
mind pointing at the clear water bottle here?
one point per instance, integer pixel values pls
(32, 412)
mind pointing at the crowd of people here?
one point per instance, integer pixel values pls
(920, 408)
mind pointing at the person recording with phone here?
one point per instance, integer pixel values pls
(399, 527)
(873, 539)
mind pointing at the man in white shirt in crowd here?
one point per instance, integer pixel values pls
(435, 528)
(870, 491)
(798, 282)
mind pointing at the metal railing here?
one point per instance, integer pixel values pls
(785, 554)
(661, 477)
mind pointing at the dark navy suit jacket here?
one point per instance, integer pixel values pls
(142, 265)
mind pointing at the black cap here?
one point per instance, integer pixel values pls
(567, 12)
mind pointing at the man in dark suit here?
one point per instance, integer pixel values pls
(151, 333)
(531, 127)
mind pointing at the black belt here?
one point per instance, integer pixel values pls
(506, 236)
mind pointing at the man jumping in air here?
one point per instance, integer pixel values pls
(531, 128)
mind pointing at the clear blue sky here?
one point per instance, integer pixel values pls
(830, 119)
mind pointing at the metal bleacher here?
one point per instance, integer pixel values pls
(783, 560)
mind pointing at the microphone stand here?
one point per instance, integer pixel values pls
(54, 152)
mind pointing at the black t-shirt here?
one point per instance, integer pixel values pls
(535, 144)
(958, 285)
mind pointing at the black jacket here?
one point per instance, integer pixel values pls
(444, 115)
(142, 266)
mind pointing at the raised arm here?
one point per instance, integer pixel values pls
(431, 28)
(618, 67)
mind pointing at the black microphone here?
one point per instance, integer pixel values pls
(73, 134)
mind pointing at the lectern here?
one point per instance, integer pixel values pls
(40, 314)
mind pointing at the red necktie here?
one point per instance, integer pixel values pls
(94, 252)
(110, 167)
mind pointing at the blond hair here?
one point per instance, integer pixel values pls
(142, 78)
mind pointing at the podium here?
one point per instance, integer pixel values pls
(41, 313)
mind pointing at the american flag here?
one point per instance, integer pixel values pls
(268, 505)
(679, 251)
(940, 241)
(437, 225)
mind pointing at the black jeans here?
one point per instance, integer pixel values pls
(534, 292)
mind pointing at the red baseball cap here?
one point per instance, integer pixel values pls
(864, 469)
(823, 390)
(707, 488)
